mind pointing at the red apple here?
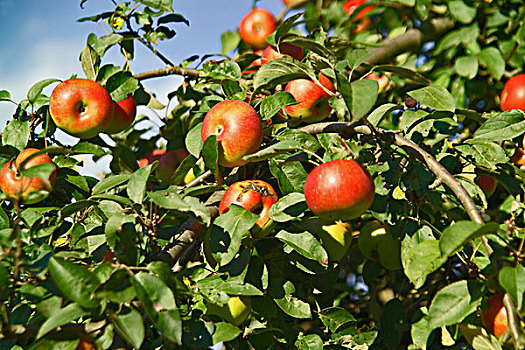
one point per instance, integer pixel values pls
(495, 317)
(150, 157)
(513, 94)
(361, 20)
(313, 103)
(382, 81)
(168, 163)
(271, 52)
(518, 157)
(256, 26)
(238, 129)
(487, 184)
(256, 62)
(256, 196)
(18, 187)
(339, 190)
(81, 107)
(124, 115)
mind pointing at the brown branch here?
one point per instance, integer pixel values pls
(169, 70)
(439, 170)
(514, 322)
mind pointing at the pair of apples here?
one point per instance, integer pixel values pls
(84, 108)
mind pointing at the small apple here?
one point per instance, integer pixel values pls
(124, 115)
(376, 243)
(81, 107)
(27, 190)
(487, 184)
(85, 345)
(256, 196)
(382, 81)
(236, 311)
(513, 94)
(495, 317)
(293, 3)
(238, 129)
(271, 52)
(150, 157)
(313, 101)
(336, 239)
(168, 163)
(361, 20)
(518, 157)
(339, 190)
(256, 26)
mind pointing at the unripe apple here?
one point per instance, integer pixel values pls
(238, 129)
(256, 196)
(513, 94)
(339, 190)
(495, 317)
(168, 163)
(236, 311)
(271, 52)
(313, 101)
(81, 107)
(27, 190)
(487, 184)
(376, 243)
(124, 115)
(336, 239)
(256, 26)
(361, 20)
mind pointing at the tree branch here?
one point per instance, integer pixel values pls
(439, 170)
(169, 70)
(514, 322)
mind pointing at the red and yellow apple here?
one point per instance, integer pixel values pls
(361, 20)
(487, 184)
(236, 311)
(25, 189)
(313, 100)
(495, 316)
(256, 196)
(81, 107)
(513, 94)
(238, 129)
(382, 81)
(124, 115)
(336, 238)
(376, 243)
(339, 190)
(256, 26)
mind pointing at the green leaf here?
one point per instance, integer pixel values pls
(380, 112)
(109, 183)
(305, 244)
(289, 304)
(274, 150)
(513, 280)
(310, 45)
(136, 187)
(173, 18)
(163, 5)
(210, 152)
(290, 175)
(284, 28)
(230, 41)
(337, 319)
(461, 11)
(193, 141)
(224, 332)
(467, 66)
(227, 232)
(61, 317)
(121, 84)
(5, 95)
(436, 97)
(460, 233)
(501, 127)
(16, 134)
(170, 199)
(292, 200)
(453, 303)
(88, 148)
(485, 152)
(308, 141)
(409, 74)
(272, 104)
(159, 303)
(357, 57)
(479, 338)
(105, 42)
(90, 61)
(491, 58)
(130, 325)
(74, 281)
(309, 342)
(73, 208)
(421, 260)
(359, 96)
(34, 92)
(280, 71)
(231, 286)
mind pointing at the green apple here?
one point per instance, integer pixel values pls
(336, 238)
(236, 311)
(376, 243)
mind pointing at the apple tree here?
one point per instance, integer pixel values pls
(353, 181)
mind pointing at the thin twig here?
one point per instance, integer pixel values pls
(169, 70)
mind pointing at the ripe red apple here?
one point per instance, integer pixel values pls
(256, 26)
(339, 190)
(18, 187)
(487, 184)
(518, 157)
(150, 157)
(271, 52)
(256, 196)
(81, 107)
(313, 103)
(168, 163)
(382, 81)
(495, 317)
(238, 129)
(361, 20)
(124, 115)
(513, 94)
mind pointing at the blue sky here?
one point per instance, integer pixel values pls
(42, 39)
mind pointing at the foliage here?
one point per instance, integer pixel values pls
(125, 262)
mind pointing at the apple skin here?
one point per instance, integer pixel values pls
(518, 157)
(124, 115)
(495, 317)
(256, 196)
(271, 52)
(313, 103)
(81, 107)
(150, 157)
(487, 184)
(238, 129)
(168, 163)
(376, 243)
(336, 238)
(255, 26)
(381, 81)
(85, 345)
(236, 311)
(27, 190)
(339, 190)
(513, 93)
(361, 20)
